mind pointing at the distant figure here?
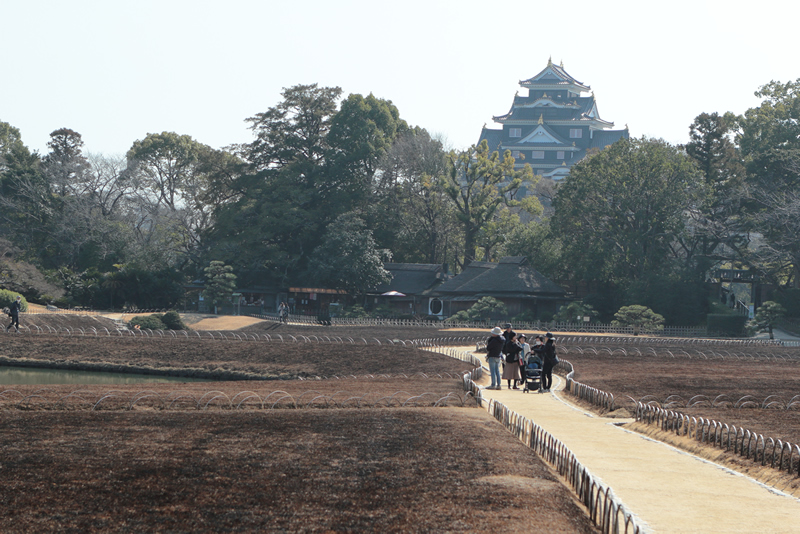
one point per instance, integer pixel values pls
(13, 312)
(283, 312)
(494, 350)
(550, 360)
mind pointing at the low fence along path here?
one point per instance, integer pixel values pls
(668, 490)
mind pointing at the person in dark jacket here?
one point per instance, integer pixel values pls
(13, 312)
(549, 362)
(511, 369)
(494, 353)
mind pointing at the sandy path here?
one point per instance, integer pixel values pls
(669, 490)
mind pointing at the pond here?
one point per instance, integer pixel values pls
(34, 376)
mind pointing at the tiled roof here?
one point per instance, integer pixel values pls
(547, 114)
(474, 269)
(603, 138)
(511, 276)
(493, 137)
(412, 278)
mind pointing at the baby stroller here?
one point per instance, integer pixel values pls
(533, 376)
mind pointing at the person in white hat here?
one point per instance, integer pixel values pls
(494, 353)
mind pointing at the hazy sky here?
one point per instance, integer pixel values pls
(115, 71)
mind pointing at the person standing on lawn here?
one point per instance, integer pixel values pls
(550, 361)
(494, 352)
(13, 312)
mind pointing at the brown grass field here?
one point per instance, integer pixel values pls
(720, 382)
(341, 456)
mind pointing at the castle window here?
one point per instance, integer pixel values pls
(515, 132)
(560, 154)
(575, 133)
(537, 154)
(515, 154)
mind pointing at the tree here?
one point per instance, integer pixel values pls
(361, 133)
(413, 216)
(766, 318)
(486, 309)
(166, 162)
(65, 164)
(715, 232)
(619, 211)
(575, 312)
(479, 183)
(536, 241)
(310, 163)
(770, 136)
(220, 283)
(639, 317)
(181, 184)
(347, 257)
(777, 253)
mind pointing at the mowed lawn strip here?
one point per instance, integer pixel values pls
(387, 470)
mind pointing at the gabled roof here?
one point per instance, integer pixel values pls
(474, 269)
(553, 75)
(603, 138)
(412, 278)
(542, 135)
(493, 137)
(510, 277)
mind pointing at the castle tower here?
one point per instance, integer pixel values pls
(554, 126)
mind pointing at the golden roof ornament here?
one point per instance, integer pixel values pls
(550, 61)
(541, 119)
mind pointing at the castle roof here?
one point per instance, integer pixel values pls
(554, 76)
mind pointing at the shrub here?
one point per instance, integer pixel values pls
(150, 322)
(486, 309)
(639, 317)
(7, 297)
(767, 315)
(571, 312)
(172, 320)
(354, 312)
(725, 324)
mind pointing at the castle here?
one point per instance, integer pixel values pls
(553, 127)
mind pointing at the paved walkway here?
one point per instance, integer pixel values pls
(668, 490)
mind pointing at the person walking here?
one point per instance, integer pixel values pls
(13, 312)
(511, 370)
(550, 360)
(524, 355)
(494, 352)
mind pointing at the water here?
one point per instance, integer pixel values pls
(34, 376)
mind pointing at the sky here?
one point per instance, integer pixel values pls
(115, 71)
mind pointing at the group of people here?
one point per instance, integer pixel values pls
(512, 351)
